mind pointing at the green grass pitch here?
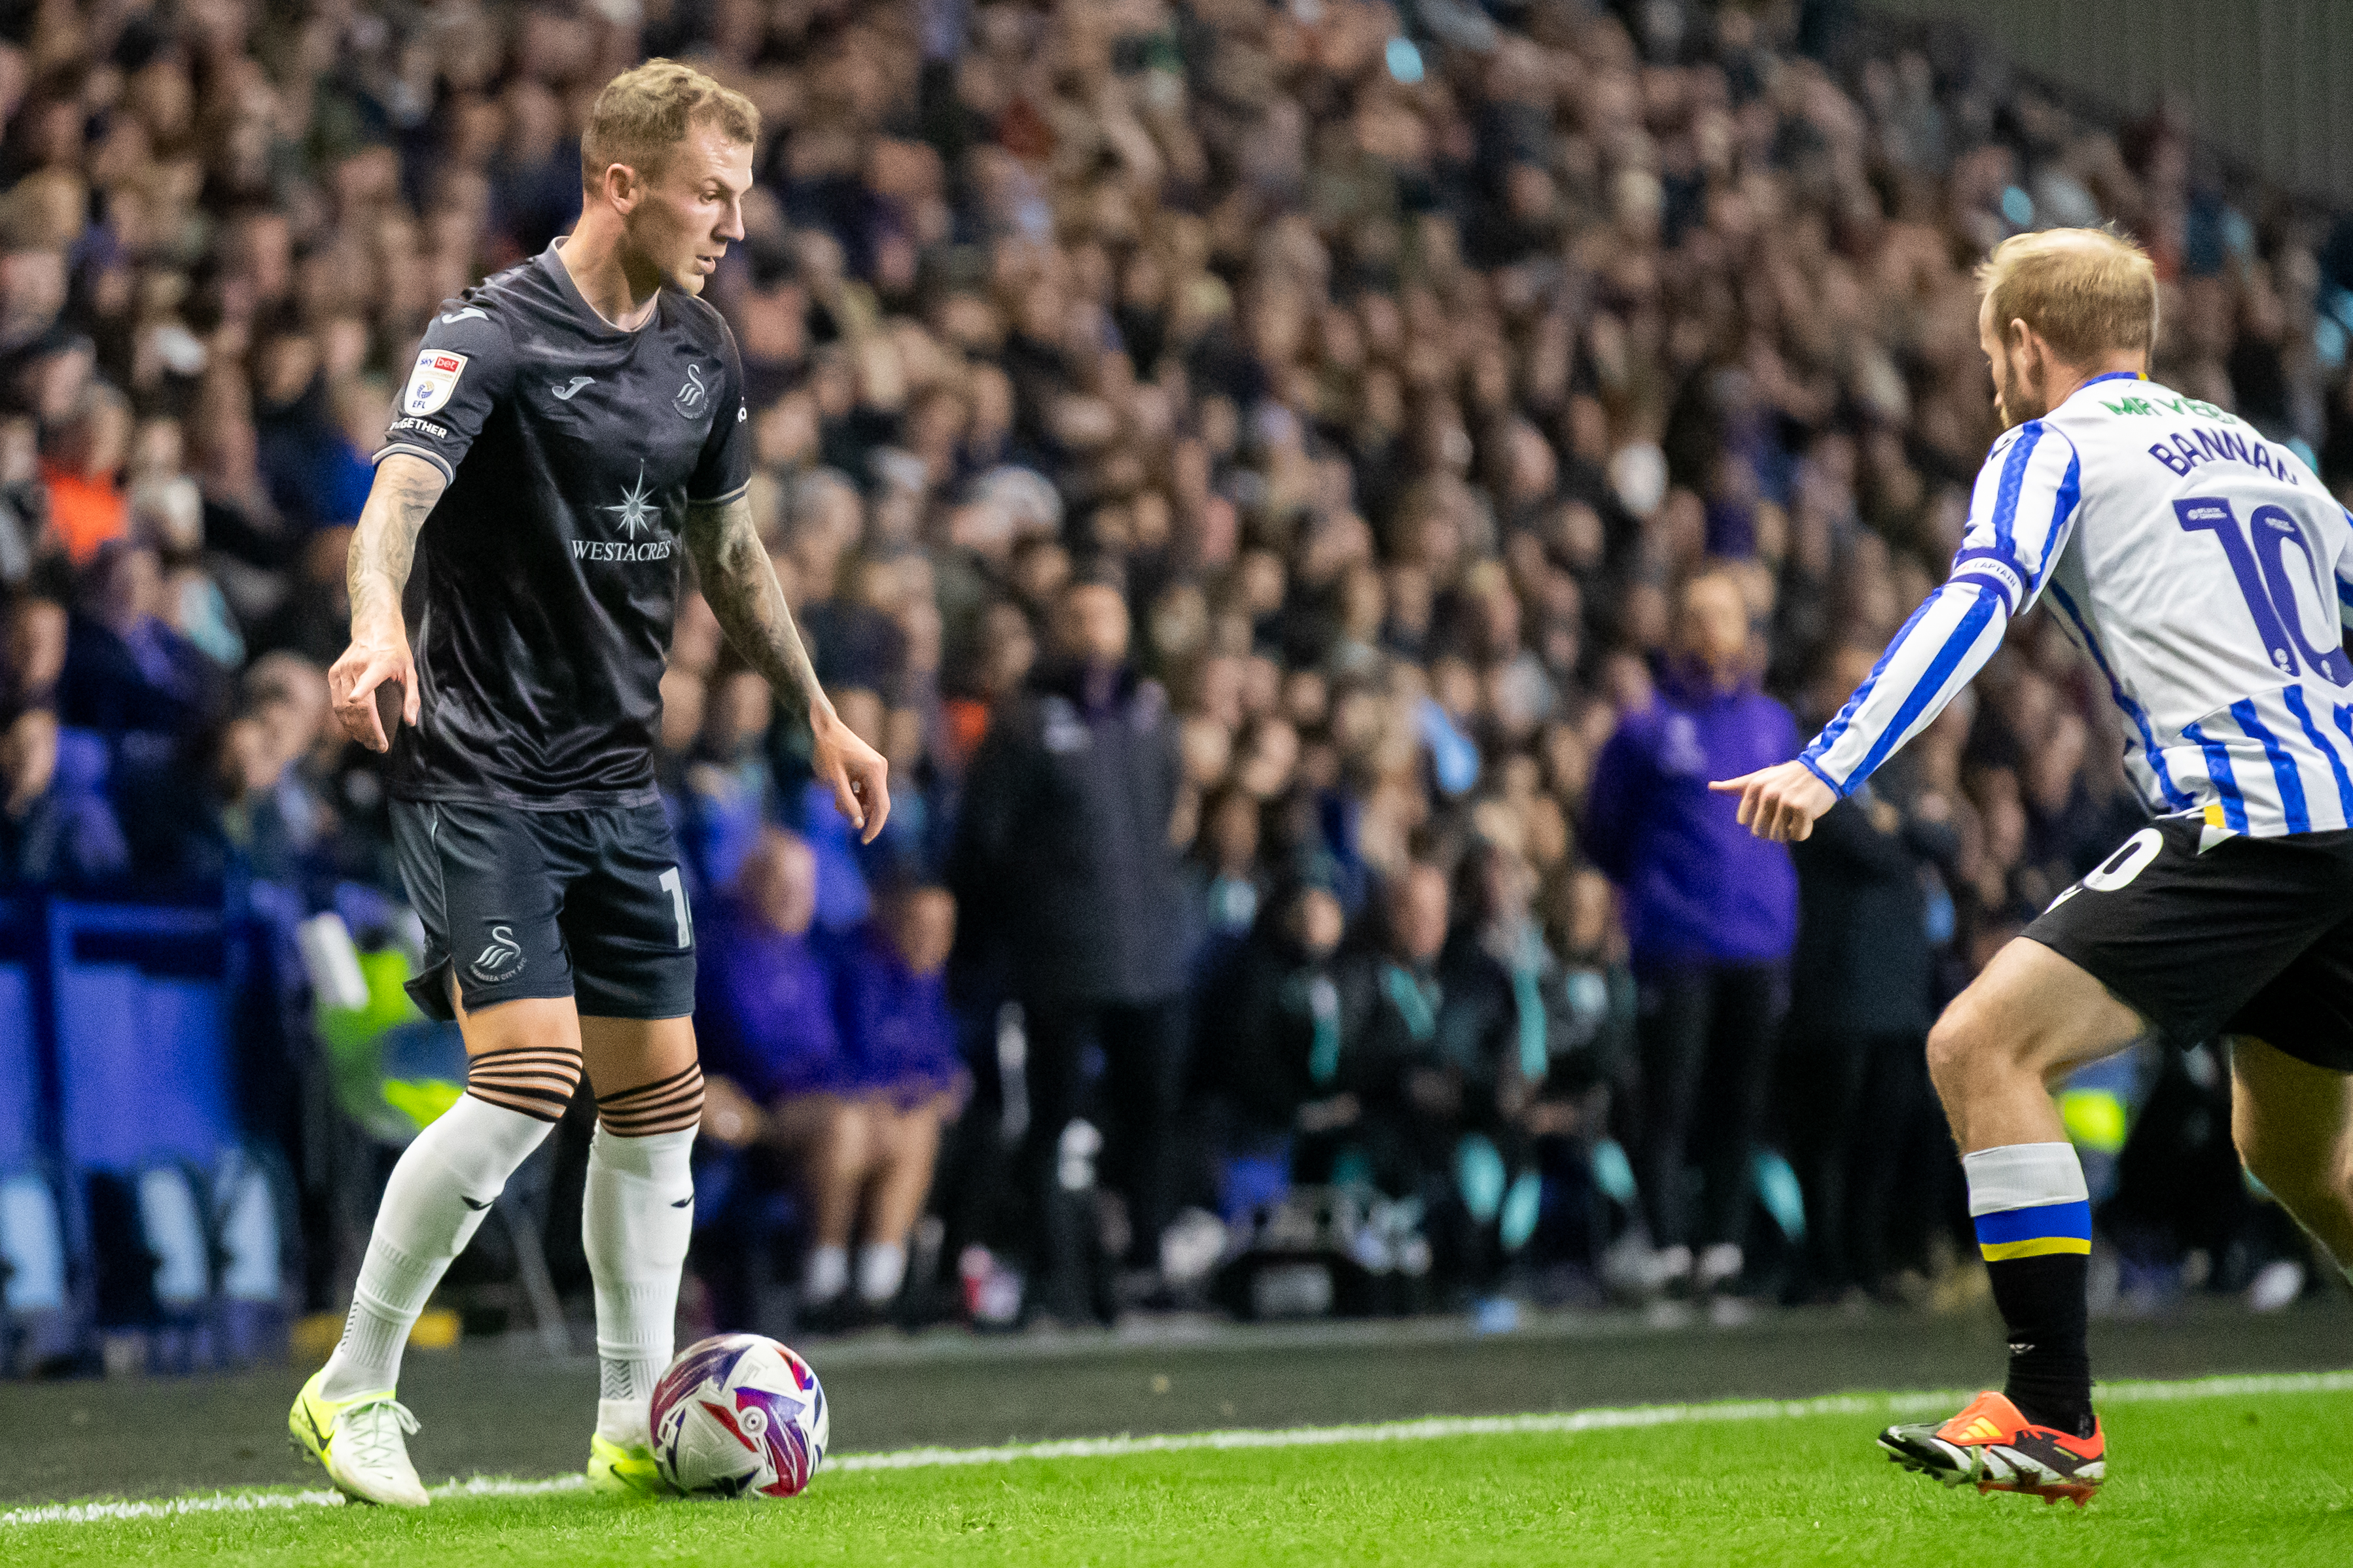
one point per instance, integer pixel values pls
(2226, 1475)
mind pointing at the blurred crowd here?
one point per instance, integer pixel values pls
(1304, 494)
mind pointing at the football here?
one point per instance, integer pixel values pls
(739, 1415)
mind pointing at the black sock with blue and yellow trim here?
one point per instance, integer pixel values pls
(2042, 1305)
(2034, 1219)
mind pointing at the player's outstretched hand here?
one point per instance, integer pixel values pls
(1780, 803)
(357, 680)
(855, 772)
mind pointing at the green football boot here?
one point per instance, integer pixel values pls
(625, 1471)
(362, 1443)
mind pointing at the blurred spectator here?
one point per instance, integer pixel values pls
(1402, 403)
(1861, 995)
(168, 513)
(24, 503)
(35, 652)
(847, 1070)
(55, 824)
(1065, 858)
(891, 996)
(773, 1063)
(1225, 874)
(1272, 1062)
(727, 785)
(314, 476)
(844, 897)
(766, 1003)
(79, 464)
(1417, 1099)
(1506, 1005)
(124, 668)
(1711, 913)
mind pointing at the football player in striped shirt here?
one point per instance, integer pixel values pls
(2205, 573)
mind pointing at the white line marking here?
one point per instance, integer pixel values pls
(1434, 1428)
(254, 1501)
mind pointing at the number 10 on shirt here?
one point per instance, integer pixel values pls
(2264, 581)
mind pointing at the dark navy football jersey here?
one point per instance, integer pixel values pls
(546, 579)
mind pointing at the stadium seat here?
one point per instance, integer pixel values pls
(20, 1075)
(145, 1071)
(141, 1066)
(35, 1292)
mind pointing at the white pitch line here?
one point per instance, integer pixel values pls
(256, 1501)
(1432, 1429)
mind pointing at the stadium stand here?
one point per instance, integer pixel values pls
(1405, 365)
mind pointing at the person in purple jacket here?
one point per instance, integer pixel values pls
(778, 1083)
(908, 1079)
(1711, 913)
(764, 998)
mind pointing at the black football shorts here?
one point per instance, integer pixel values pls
(588, 904)
(2243, 936)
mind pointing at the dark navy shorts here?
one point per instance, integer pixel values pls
(2206, 934)
(589, 904)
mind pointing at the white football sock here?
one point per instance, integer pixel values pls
(882, 1265)
(827, 1275)
(635, 1222)
(445, 1181)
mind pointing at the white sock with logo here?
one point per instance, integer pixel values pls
(635, 1222)
(445, 1181)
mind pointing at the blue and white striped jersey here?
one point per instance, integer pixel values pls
(2205, 571)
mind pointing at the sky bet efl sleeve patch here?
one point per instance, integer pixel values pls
(432, 382)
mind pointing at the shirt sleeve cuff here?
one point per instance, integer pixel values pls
(449, 473)
(1807, 758)
(729, 499)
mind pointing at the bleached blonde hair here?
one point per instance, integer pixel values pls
(2087, 292)
(641, 114)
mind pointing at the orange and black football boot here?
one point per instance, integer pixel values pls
(1993, 1446)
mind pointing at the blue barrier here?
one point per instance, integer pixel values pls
(141, 1034)
(36, 1301)
(20, 1072)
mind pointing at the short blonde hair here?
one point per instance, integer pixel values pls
(2087, 292)
(641, 114)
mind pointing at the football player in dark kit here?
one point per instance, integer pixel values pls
(569, 428)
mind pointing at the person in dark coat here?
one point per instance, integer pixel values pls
(1063, 857)
(1503, 1012)
(1273, 1060)
(1854, 1061)
(1711, 913)
(1418, 1094)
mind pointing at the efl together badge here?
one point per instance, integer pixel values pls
(432, 382)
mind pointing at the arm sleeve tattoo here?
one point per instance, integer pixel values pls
(385, 544)
(741, 588)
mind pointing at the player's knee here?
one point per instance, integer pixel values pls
(2302, 1177)
(672, 1104)
(1957, 1048)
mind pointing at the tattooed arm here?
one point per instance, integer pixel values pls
(382, 546)
(744, 594)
